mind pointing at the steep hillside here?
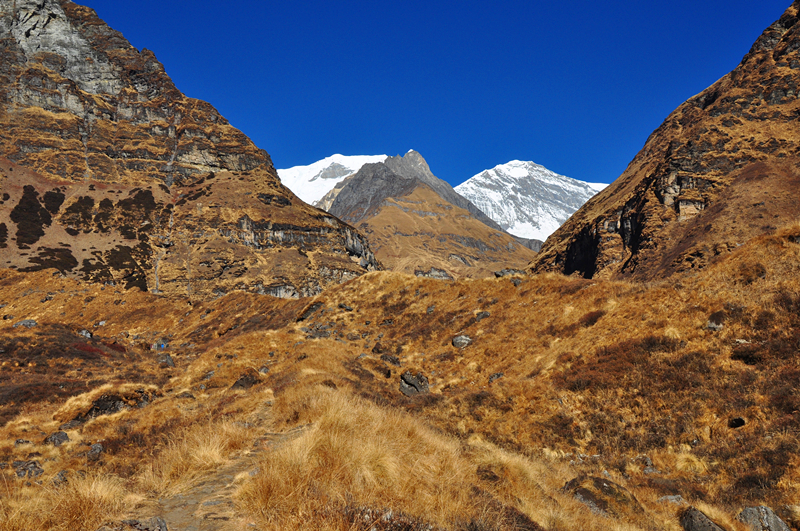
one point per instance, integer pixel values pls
(110, 174)
(525, 198)
(405, 213)
(533, 403)
(721, 169)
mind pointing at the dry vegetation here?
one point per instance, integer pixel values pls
(614, 380)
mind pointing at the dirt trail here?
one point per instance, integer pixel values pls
(209, 504)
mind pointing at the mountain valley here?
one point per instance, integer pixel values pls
(188, 345)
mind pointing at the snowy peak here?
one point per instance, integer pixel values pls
(310, 183)
(526, 199)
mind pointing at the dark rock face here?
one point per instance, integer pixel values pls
(762, 518)
(702, 183)
(694, 520)
(411, 385)
(57, 439)
(438, 274)
(156, 190)
(246, 380)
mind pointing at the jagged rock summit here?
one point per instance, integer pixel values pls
(109, 173)
(721, 169)
(415, 221)
(526, 199)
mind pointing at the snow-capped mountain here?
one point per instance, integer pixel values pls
(310, 183)
(527, 199)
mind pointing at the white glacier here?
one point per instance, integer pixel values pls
(526, 199)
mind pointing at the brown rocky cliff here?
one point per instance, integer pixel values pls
(110, 173)
(721, 169)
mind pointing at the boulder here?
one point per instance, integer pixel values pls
(57, 439)
(603, 496)
(762, 518)
(694, 520)
(246, 380)
(30, 469)
(461, 341)
(411, 385)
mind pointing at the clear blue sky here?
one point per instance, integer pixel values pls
(575, 86)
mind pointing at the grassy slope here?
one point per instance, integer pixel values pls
(598, 377)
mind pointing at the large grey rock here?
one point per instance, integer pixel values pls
(762, 518)
(411, 385)
(57, 439)
(461, 341)
(694, 520)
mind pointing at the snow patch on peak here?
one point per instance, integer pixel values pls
(526, 199)
(310, 183)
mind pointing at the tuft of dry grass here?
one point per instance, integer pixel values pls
(178, 462)
(84, 503)
(357, 454)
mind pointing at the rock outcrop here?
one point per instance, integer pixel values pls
(109, 173)
(720, 170)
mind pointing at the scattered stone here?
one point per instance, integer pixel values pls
(71, 425)
(495, 376)
(508, 272)
(438, 274)
(461, 341)
(246, 380)
(186, 394)
(30, 469)
(343, 306)
(516, 282)
(57, 439)
(736, 422)
(27, 323)
(651, 470)
(308, 312)
(762, 518)
(714, 327)
(208, 375)
(86, 334)
(676, 499)
(101, 323)
(20, 442)
(94, 452)
(263, 370)
(165, 361)
(411, 385)
(60, 479)
(155, 523)
(430, 309)
(694, 520)
(391, 360)
(603, 496)
(481, 316)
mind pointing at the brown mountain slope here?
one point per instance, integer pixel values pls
(111, 174)
(562, 380)
(413, 221)
(721, 169)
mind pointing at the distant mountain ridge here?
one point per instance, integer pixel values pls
(416, 221)
(526, 199)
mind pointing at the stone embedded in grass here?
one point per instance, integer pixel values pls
(165, 361)
(411, 385)
(94, 452)
(736, 422)
(481, 316)
(762, 518)
(27, 323)
(246, 380)
(603, 496)
(391, 360)
(31, 469)
(20, 442)
(495, 376)
(676, 499)
(461, 341)
(695, 520)
(57, 439)
(156, 523)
